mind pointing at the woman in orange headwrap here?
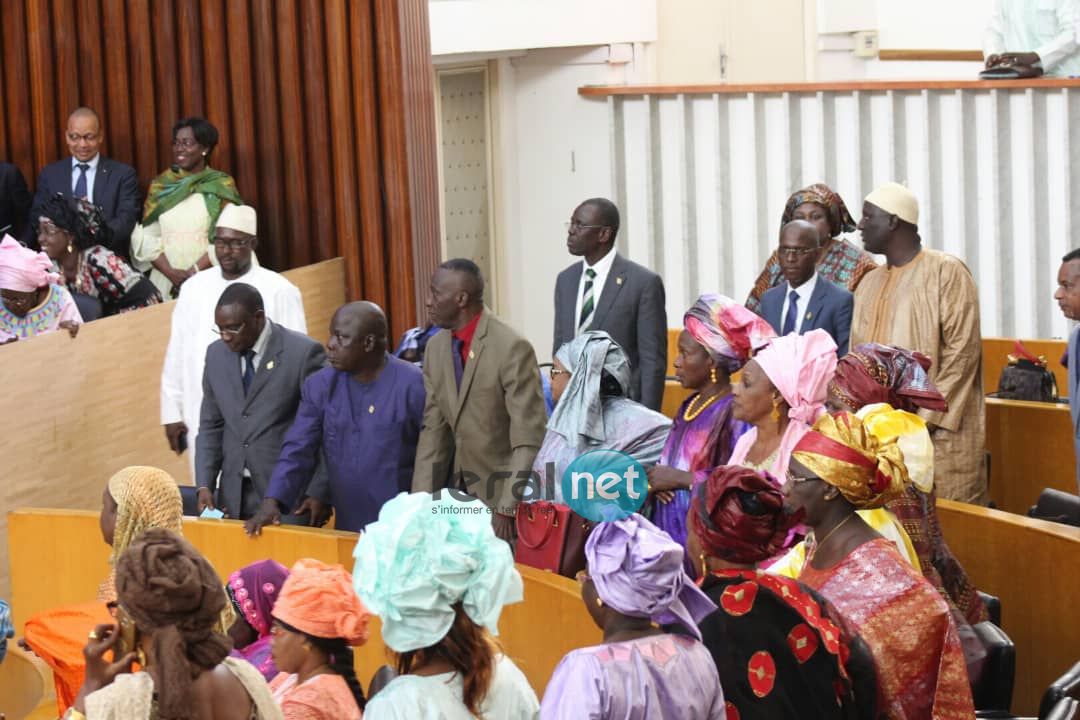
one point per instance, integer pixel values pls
(836, 468)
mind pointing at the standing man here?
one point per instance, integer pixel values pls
(805, 300)
(605, 291)
(251, 390)
(363, 415)
(926, 300)
(1038, 38)
(111, 185)
(484, 420)
(1068, 299)
(193, 321)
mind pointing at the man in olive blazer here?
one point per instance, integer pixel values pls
(484, 419)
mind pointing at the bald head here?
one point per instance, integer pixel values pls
(358, 338)
(83, 134)
(368, 317)
(800, 243)
(802, 231)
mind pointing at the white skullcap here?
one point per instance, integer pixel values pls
(238, 217)
(897, 200)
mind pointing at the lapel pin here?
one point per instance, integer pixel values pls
(471, 354)
(270, 365)
(618, 281)
(809, 315)
(371, 409)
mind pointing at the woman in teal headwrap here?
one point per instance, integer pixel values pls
(182, 207)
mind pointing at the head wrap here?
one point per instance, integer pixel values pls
(873, 373)
(738, 514)
(800, 367)
(80, 217)
(579, 414)
(638, 571)
(897, 200)
(318, 599)
(423, 556)
(840, 220)
(167, 587)
(843, 452)
(254, 589)
(911, 435)
(7, 628)
(728, 331)
(22, 269)
(238, 217)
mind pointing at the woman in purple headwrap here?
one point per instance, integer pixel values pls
(719, 337)
(635, 581)
(253, 590)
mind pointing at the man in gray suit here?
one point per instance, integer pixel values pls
(605, 291)
(251, 391)
(1068, 299)
(806, 301)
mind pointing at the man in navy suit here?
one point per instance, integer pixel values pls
(805, 301)
(1068, 299)
(111, 185)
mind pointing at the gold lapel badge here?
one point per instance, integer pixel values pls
(371, 410)
(270, 365)
(618, 281)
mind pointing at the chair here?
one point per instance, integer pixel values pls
(1057, 506)
(1066, 686)
(22, 684)
(1066, 709)
(993, 606)
(994, 689)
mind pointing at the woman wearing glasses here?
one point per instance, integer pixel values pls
(182, 207)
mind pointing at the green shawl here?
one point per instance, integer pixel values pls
(171, 188)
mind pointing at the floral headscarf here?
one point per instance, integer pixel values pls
(840, 220)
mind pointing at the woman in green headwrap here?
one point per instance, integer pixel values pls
(182, 207)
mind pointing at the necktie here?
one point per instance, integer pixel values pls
(80, 182)
(586, 301)
(249, 369)
(792, 312)
(456, 344)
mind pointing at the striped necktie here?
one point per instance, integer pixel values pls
(587, 302)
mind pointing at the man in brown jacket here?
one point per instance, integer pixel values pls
(484, 419)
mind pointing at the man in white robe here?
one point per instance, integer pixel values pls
(193, 328)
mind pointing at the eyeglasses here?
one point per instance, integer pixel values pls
(230, 332)
(795, 252)
(555, 372)
(76, 137)
(186, 143)
(573, 227)
(239, 244)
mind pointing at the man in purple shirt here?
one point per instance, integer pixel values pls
(364, 414)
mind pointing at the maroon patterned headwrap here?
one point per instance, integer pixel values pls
(738, 514)
(840, 220)
(874, 373)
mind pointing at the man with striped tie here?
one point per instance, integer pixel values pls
(605, 291)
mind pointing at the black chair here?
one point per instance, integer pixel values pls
(1066, 709)
(1057, 506)
(190, 495)
(1066, 686)
(994, 689)
(993, 606)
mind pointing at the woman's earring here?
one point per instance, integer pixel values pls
(712, 375)
(204, 153)
(775, 411)
(704, 565)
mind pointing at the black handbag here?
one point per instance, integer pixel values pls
(1026, 377)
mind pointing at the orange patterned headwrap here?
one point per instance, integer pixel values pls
(867, 471)
(318, 599)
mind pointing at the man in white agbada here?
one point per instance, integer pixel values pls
(193, 328)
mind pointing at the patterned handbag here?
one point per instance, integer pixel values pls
(1026, 377)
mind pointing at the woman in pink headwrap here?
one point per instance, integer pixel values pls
(782, 393)
(31, 300)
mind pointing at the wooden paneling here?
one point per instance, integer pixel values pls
(76, 411)
(1031, 448)
(931, 55)
(996, 353)
(1034, 567)
(325, 110)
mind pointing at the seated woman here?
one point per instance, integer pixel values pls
(719, 336)
(635, 580)
(868, 587)
(253, 590)
(840, 262)
(135, 500)
(72, 232)
(31, 301)
(170, 599)
(778, 653)
(589, 380)
(438, 578)
(317, 619)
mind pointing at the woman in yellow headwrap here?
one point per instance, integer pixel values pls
(837, 468)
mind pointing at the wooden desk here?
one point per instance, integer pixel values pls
(1031, 448)
(996, 353)
(1034, 567)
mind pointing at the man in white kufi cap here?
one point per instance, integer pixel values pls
(926, 300)
(235, 239)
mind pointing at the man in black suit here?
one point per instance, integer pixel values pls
(14, 202)
(605, 291)
(111, 185)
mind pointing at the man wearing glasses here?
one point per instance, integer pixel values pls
(193, 326)
(605, 291)
(111, 185)
(805, 301)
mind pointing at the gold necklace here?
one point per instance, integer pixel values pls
(828, 535)
(692, 411)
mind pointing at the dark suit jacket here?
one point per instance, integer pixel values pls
(237, 432)
(829, 308)
(631, 310)
(14, 202)
(490, 430)
(116, 192)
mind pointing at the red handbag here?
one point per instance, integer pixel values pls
(541, 530)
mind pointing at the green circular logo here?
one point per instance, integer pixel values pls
(604, 485)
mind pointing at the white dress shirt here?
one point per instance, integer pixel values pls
(1046, 27)
(91, 173)
(259, 348)
(803, 293)
(602, 268)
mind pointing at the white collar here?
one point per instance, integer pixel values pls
(602, 266)
(264, 338)
(92, 162)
